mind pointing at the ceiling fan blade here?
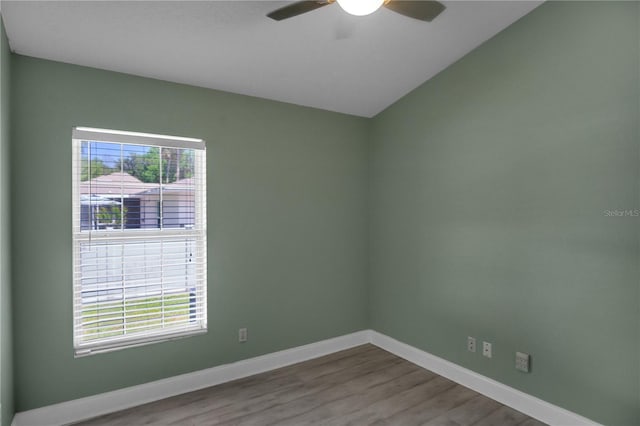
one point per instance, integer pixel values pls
(424, 10)
(297, 8)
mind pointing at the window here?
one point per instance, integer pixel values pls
(139, 239)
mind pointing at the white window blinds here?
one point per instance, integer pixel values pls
(139, 238)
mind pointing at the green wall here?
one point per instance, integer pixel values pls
(489, 186)
(6, 348)
(286, 201)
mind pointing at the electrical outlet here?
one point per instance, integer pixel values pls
(486, 349)
(242, 335)
(471, 344)
(522, 361)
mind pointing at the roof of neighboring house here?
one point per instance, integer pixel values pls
(115, 184)
(181, 185)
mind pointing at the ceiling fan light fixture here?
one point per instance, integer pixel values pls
(360, 7)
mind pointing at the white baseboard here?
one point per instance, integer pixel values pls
(109, 402)
(518, 400)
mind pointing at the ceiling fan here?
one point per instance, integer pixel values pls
(424, 10)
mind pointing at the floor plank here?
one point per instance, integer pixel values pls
(503, 416)
(359, 386)
(472, 411)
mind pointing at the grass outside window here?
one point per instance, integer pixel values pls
(107, 319)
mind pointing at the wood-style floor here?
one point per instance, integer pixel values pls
(360, 386)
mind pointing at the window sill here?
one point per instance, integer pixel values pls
(87, 350)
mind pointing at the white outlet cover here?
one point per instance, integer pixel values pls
(486, 349)
(522, 361)
(471, 344)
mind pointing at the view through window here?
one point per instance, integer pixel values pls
(139, 228)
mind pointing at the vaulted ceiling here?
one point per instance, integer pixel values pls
(324, 59)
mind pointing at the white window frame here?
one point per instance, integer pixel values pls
(198, 231)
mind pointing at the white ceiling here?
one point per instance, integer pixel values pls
(324, 59)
